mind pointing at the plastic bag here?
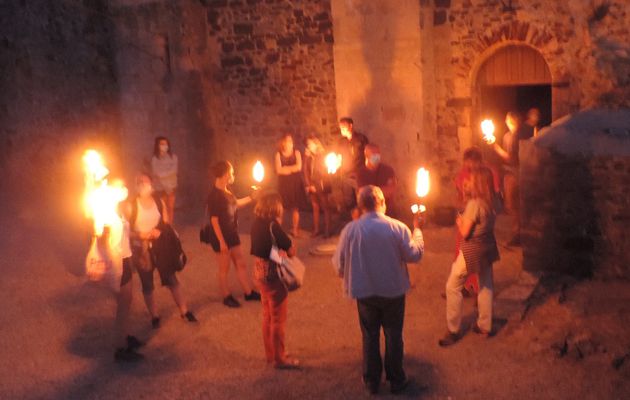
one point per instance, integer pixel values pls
(102, 265)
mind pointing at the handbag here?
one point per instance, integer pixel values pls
(290, 269)
(206, 232)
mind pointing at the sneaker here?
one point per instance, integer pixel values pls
(133, 342)
(398, 387)
(189, 316)
(230, 301)
(155, 322)
(252, 296)
(449, 339)
(127, 355)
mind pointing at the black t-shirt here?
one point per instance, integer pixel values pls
(222, 204)
(352, 151)
(261, 237)
(379, 177)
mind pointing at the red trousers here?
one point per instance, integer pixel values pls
(274, 307)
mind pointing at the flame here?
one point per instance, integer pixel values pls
(101, 199)
(333, 162)
(415, 208)
(422, 182)
(258, 172)
(487, 128)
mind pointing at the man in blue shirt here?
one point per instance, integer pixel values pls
(371, 258)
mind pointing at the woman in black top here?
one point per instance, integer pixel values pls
(274, 294)
(223, 212)
(288, 162)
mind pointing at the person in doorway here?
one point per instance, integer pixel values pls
(223, 213)
(318, 185)
(371, 258)
(477, 253)
(164, 166)
(532, 124)
(509, 156)
(375, 172)
(147, 222)
(267, 230)
(288, 163)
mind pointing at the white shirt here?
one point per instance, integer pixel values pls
(147, 218)
(164, 172)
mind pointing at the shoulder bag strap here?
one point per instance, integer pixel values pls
(273, 237)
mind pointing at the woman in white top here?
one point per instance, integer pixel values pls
(147, 216)
(164, 166)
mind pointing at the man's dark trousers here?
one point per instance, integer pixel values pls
(376, 312)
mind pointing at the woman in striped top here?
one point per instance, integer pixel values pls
(478, 251)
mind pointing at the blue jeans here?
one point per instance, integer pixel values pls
(376, 312)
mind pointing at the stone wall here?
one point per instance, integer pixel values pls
(163, 72)
(272, 72)
(58, 94)
(223, 79)
(575, 213)
(584, 43)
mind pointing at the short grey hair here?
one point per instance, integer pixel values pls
(370, 198)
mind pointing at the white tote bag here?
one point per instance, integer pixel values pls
(290, 269)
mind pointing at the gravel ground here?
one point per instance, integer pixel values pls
(55, 332)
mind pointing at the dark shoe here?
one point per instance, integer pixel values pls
(399, 387)
(189, 316)
(230, 301)
(480, 331)
(289, 363)
(252, 296)
(155, 322)
(515, 241)
(449, 339)
(127, 355)
(371, 386)
(133, 342)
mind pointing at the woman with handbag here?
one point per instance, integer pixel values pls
(267, 232)
(148, 220)
(223, 212)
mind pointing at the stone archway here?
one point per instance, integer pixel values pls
(511, 77)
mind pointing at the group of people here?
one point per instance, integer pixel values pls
(371, 256)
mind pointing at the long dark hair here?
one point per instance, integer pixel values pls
(156, 146)
(269, 206)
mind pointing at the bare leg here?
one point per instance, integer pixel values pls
(241, 268)
(176, 291)
(296, 221)
(223, 259)
(169, 199)
(150, 303)
(122, 315)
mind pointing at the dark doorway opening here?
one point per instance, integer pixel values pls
(497, 100)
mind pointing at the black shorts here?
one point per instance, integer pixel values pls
(231, 239)
(126, 271)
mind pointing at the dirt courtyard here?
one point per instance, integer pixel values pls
(55, 332)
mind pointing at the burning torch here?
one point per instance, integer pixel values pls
(333, 162)
(487, 128)
(423, 183)
(258, 172)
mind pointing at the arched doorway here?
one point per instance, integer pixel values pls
(514, 77)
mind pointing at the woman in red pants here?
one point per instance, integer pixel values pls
(266, 231)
